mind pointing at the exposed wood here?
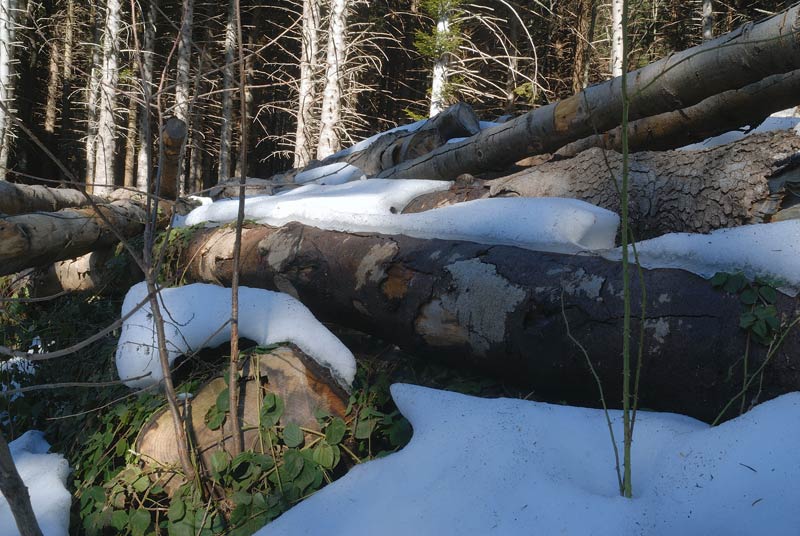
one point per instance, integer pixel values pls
(742, 57)
(671, 191)
(24, 198)
(729, 110)
(285, 371)
(99, 271)
(16, 494)
(173, 137)
(500, 308)
(42, 238)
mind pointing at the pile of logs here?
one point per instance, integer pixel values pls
(515, 313)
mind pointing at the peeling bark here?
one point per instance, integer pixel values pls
(500, 308)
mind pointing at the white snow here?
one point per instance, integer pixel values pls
(196, 316)
(337, 173)
(363, 144)
(45, 476)
(371, 206)
(769, 250)
(783, 120)
(510, 467)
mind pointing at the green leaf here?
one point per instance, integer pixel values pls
(748, 297)
(719, 279)
(223, 401)
(141, 484)
(323, 455)
(364, 428)
(119, 519)
(334, 433)
(139, 522)
(219, 463)
(760, 328)
(292, 464)
(242, 498)
(214, 418)
(735, 283)
(292, 435)
(400, 432)
(768, 293)
(177, 510)
(271, 414)
(747, 320)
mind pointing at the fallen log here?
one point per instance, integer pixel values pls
(672, 191)
(502, 309)
(40, 238)
(734, 60)
(729, 110)
(24, 198)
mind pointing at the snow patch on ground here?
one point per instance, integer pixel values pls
(196, 316)
(372, 206)
(45, 476)
(508, 467)
(768, 250)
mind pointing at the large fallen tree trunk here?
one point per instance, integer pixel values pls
(670, 191)
(729, 110)
(45, 237)
(744, 56)
(23, 198)
(500, 308)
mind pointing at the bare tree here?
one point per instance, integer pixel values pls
(616, 38)
(309, 50)
(8, 29)
(146, 56)
(329, 141)
(226, 129)
(106, 126)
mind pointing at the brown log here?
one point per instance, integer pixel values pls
(670, 191)
(287, 372)
(742, 57)
(500, 308)
(727, 111)
(24, 198)
(102, 271)
(42, 238)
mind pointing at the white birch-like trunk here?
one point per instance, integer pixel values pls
(616, 38)
(329, 141)
(107, 102)
(8, 16)
(182, 86)
(308, 90)
(144, 158)
(53, 87)
(439, 79)
(92, 96)
(708, 20)
(226, 130)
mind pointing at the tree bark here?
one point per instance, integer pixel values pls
(720, 113)
(129, 177)
(226, 130)
(173, 136)
(42, 238)
(182, 85)
(732, 61)
(8, 29)
(16, 493)
(329, 141)
(23, 198)
(500, 308)
(584, 35)
(740, 183)
(307, 92)
(145, 156)
(92, 97)
(105, 151)
(616, 38)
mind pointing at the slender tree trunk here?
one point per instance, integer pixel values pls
(513, 67)
(616, 38)
(439, 77)
(304, 135)
(584, 30)
(65, 146)
(129, 179)
(53, 87)
(106, 125)
(145, 156)
(182, 82)
(708, 20)
(329, 141)
(16, 493)
(8, 23)
(226, 131)
(92, 97)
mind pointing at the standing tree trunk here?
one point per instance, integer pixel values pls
(307, 92)
(8, 16)
(616, 38)
(226, 131)
(65, 146)
(439, 77)
(144, 158)
(329, 141)
(184, 64)
(93, 90)
(584, 34)
(53, 87)
(106, 126)
(129, 179)
(708, 20)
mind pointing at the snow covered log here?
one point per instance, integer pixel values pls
(500, 308)
(24, 198)
(41, 238)
(671, 191)
(727, 111)
(742, 57)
